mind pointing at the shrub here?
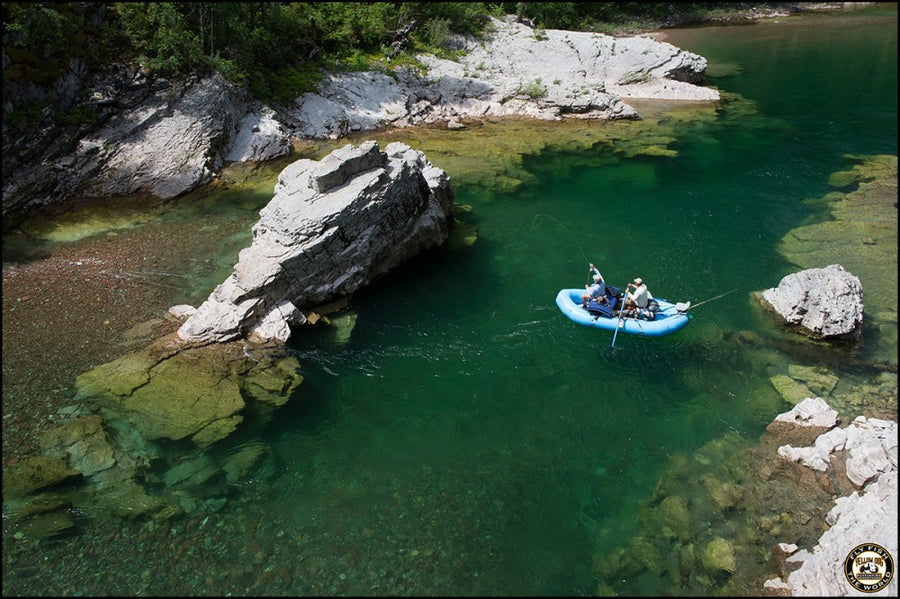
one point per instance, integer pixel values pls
(534, 89)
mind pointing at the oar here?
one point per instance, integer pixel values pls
(621, 312)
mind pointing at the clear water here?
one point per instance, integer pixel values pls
(465, 437)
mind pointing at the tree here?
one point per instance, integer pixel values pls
(160, 33)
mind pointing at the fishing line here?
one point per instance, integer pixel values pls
(714, 298)
(586, 259)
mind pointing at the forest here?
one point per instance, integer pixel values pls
(278, 50)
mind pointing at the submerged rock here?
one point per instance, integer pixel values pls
(173, 391)
(240, 464)
(36, 472)
(718, 556)
(675, 516)
(332, 228)
(83, 442)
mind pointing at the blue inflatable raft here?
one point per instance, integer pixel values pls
(670, 317)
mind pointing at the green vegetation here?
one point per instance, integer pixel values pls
(534, 89)
(626, 17)
(278, 49)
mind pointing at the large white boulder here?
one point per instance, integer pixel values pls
(825, 302)
(332, 227)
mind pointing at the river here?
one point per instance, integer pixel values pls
(455, 433)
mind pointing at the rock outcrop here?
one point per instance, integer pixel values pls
(332, 227)
(519, 71)
(868, 450)
(824, 302)
(165, 139)
(168, 143)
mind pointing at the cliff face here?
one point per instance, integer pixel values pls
(167, 138)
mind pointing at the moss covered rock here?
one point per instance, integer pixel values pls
(36, 472)
(792, 391)
(173, 390)
(675, 516)
(718, 556)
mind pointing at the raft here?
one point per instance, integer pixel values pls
(668, 319)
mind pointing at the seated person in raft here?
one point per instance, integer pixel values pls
(597, 291)
(636, 301)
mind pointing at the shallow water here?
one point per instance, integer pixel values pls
(456, 434)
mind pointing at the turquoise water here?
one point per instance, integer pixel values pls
(461, 369)
(464, 437)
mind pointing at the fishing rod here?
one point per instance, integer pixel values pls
(683, 307)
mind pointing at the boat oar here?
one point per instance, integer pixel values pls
(621, 312)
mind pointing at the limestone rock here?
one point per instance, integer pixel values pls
(517, 71)
(724, 495)
(777, 587)
(869, 517)
(179, 396)
(818, 379)
(169, 142)
(332, 227)
(865, 516)
(42, 503)
(241, 463)
(49, 525)
(197, 468)
(259, 137)
(216, 430)
(128, 499)
(804, 422)
(273, 382)
(792, 391)
(825, 302)
(166, 138)
(871, 443)
(675, 515)
(182, 310)
(812, 411)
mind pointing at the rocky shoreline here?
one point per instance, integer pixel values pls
(167, 139)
